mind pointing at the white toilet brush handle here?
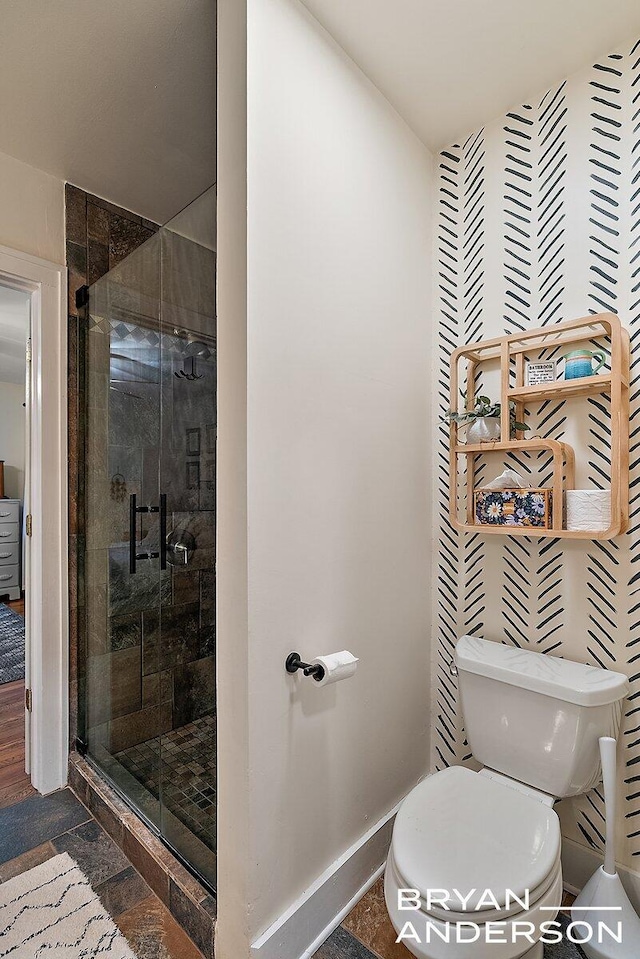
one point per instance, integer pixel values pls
(608, 756)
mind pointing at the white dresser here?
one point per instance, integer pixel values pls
(10, 548)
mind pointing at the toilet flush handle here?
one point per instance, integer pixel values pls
(453, 669)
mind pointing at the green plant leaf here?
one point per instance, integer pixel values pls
(483, 408)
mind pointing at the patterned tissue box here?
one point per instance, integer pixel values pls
(513, 507)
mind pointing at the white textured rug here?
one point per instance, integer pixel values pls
(51, 911)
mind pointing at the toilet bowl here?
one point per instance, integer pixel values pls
(474, 868)
(460, 831)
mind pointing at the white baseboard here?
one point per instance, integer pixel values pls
(579, 864)
(311, 919)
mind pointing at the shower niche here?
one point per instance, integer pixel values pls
(149, 563)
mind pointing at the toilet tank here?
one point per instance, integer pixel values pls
(535, 717)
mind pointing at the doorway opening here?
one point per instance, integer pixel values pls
(15, 339)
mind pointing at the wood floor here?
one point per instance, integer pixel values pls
(17, 605)
(14, 782)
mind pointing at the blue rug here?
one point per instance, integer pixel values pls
(11, 645)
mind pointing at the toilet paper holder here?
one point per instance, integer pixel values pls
(293, 663)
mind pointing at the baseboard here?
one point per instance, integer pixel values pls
(579, 864)
(311, 919)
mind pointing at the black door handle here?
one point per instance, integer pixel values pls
(134, 509)
(133, 513)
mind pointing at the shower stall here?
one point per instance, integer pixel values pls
(149, 384)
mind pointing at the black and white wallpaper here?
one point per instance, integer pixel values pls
(538, 221)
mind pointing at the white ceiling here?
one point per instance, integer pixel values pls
(116, 96)
(14, 328)
(449, 66)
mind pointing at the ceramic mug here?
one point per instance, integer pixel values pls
(579, 363)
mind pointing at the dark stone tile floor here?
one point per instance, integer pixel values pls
(40, 827)
(36, 820)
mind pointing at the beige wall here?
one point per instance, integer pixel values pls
(232, 649)
(31, 210)
(338, 511)
(12, 438)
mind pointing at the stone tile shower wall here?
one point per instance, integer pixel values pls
(150, 636)
(99, 235)
(146, 678)
(539, 221)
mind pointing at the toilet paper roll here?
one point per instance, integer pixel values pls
(336, 666)
(588, 509)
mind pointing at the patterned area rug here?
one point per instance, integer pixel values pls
(52, 911)
(11, 645)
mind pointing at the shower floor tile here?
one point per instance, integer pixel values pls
(182, 765)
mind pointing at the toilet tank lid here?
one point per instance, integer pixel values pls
(540, 672)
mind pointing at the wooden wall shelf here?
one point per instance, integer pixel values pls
(562, 389)
(510, 351)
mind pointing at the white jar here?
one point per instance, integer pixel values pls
(484, 429)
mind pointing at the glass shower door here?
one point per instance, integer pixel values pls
(150, 392)
(187, 477)
(128, 706)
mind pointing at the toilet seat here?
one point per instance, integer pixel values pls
(440, 945)
(480, 917)
(459, 831)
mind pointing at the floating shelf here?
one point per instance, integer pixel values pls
(510, 350)
(561, 389)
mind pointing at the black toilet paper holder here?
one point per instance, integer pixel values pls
(293, 663)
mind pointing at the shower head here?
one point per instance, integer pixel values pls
(195, 343)
(197, 348)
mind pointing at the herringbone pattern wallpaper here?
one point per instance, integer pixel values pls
(539, 221)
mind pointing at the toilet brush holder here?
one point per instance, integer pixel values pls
(603, 901)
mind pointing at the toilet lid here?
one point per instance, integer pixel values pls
(458, 831)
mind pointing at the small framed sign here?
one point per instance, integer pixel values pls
(540, 373)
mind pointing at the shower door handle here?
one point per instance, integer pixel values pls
(133, 522)
(134, 509)
(163, 530)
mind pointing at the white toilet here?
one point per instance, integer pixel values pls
(534, 722)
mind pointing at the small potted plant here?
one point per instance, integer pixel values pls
(483, 421)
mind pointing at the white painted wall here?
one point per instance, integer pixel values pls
(31, 210)
(12, 438)
(337, 447)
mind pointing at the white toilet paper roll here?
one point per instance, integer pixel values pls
(336, 666)
(588, 509)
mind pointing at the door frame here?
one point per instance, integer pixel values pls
(46, 550)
